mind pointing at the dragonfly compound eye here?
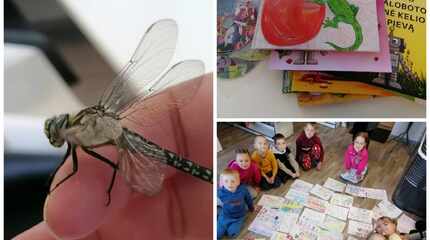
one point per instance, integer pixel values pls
(52, 129)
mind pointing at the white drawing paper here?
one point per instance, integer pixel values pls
(297, 195)
(311, 218)
(333, 224)
(317, 204)
(342, 200)
(301, 185)
(328, 235)
(271, 201)
(266, 222)
(337, 211)
(359, 229)
(405, 224)
(334, 185)
(360, 214)
(321, 192)
(356, 190)
(378, 194)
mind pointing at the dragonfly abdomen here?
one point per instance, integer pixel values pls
(165, 156)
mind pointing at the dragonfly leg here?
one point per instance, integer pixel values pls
(75, 168)
(51, 177)
(111, 185)
(110, 163)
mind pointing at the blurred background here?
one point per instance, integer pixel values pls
(59, 56)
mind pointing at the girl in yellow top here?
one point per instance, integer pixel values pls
(272, 176)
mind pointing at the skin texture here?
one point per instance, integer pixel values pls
(385, 227)
(359, 143)
(243, 160)
(230, 181)
(77, 210)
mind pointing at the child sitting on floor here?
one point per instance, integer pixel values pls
(236, 202)
(388, 228)
(248, 171)
(273, 177)
(355, 160)
(285, 159)
(309, 150)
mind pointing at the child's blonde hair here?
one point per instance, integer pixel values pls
(259, 136)
(242, 151)
(393, 221)
(229, 172)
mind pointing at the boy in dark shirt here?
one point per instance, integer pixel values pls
(285, 157)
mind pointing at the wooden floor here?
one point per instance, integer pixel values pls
(387, 161)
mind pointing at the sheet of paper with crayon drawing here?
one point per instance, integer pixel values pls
(338, 61)
(316, 25)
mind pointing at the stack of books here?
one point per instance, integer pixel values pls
(342, 50)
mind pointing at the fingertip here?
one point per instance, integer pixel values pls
(78, 206)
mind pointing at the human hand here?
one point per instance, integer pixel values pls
(297, 174)
(257, 208)
(258, 190)
(319, 166)
(272, 179)
(77, 210)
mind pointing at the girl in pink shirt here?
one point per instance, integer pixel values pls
(355, 160)
(248, 171)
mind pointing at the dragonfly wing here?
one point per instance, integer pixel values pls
(151, 57)
(142, 171)
(164, 95)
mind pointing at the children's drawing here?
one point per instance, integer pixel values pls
(317, 204)
(386, 208)
(266, 222)
(334, 185)
(297, 195)
(301, 60)
(281, 236)
(291, 22)
(311, 218)
(335, 25)
(378, 194)
(328, 235)
(359, 229)
(287, 222)
(342, 200)
(333, 224)
(271, 201)
(360, 214)
(303, 232)
(302, 186)
(291, 206)
(337, 212)
(356, 190)
(321, 192)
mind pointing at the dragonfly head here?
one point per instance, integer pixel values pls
(53, 127)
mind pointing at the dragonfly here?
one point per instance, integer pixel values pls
(140, 161)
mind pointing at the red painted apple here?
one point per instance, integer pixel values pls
(291, 22)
